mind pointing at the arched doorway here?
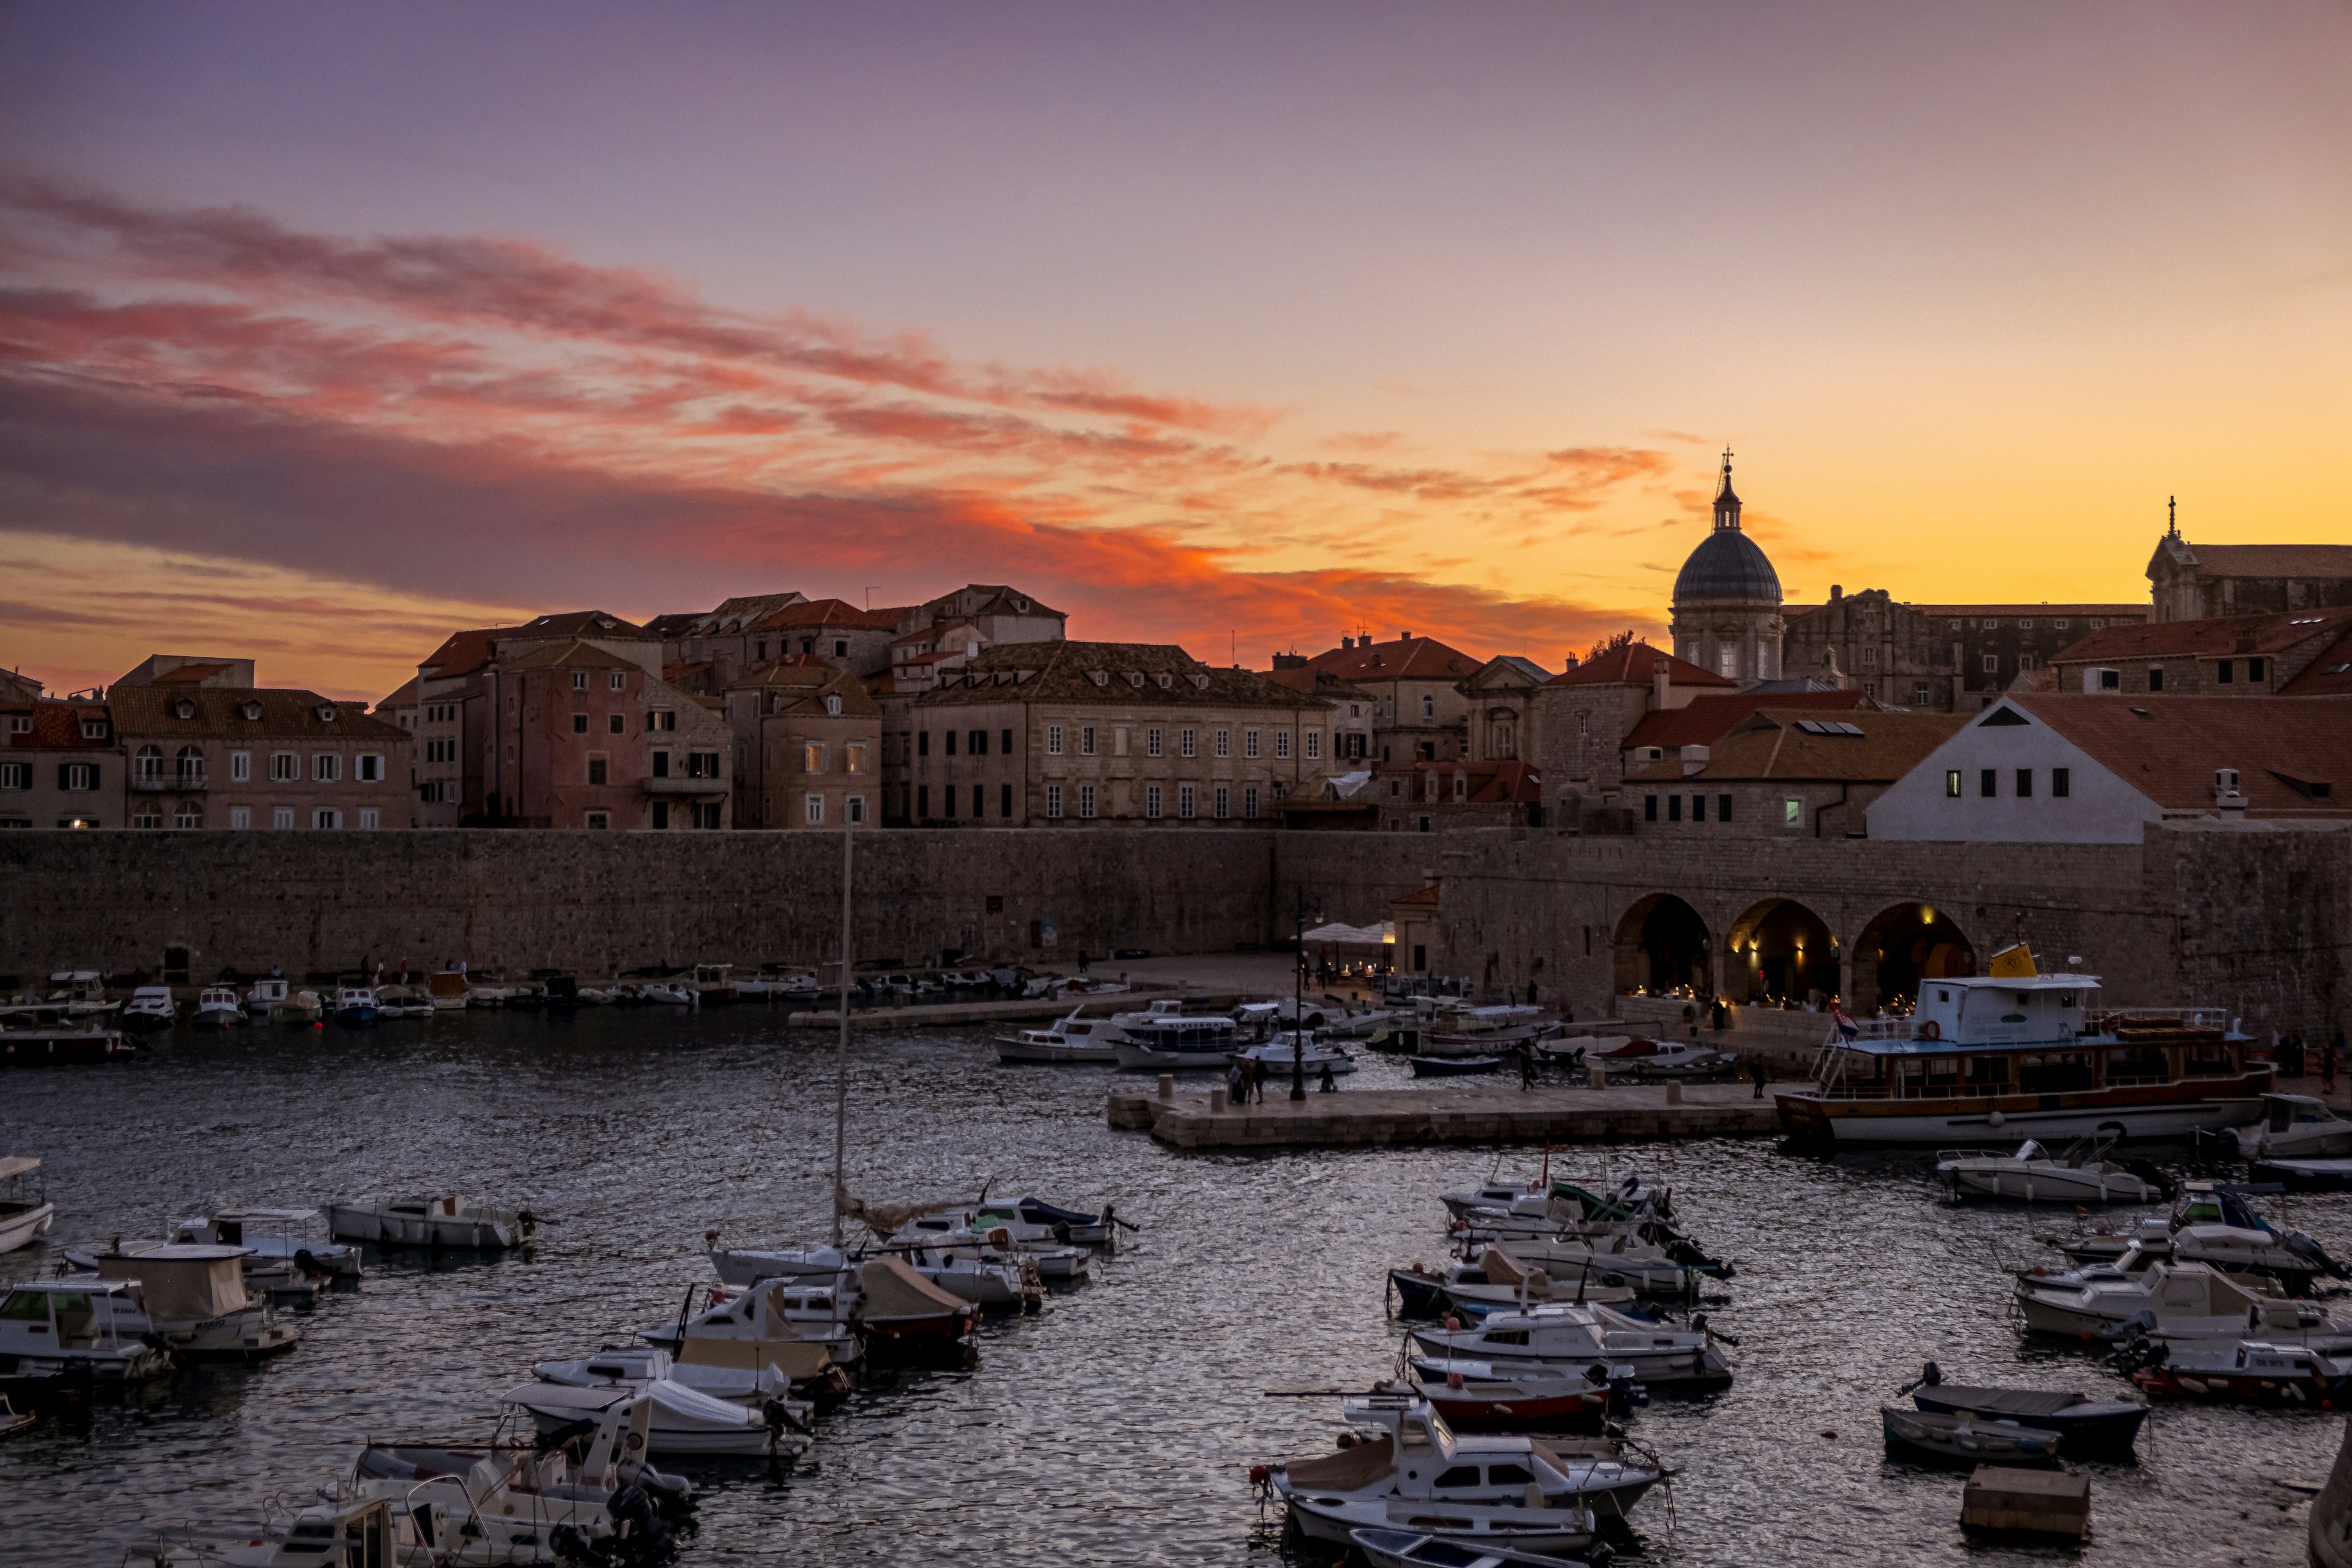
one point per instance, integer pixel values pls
(1663, 947)
(1903, 945)
(1781, 951)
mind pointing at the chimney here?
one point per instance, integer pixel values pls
(1694, 759)
(1346, 643)
(1659, 683)
(1837, 592)
(1571, 664)
(1404, 637)
(2226, 796)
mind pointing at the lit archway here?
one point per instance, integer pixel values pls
(1663, 947)
(1903, 945)
(1781, 952)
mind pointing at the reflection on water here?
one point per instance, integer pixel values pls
(1116, 1426)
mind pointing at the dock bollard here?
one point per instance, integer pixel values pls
(1600, 1076)
(1216, 1100)
(1674, 1092)
(1168, 1086)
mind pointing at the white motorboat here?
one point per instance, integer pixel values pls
(75, 1326)
(1070, 1039)
(151, 1008)
(193, 1297)
(401, 1002)
(2189, 1300)
(1282, 1053)
(263, 995)
(273, 1241)
(1165, 1038)
(81, 993)
(681, 1422)
(301, 1007)
(355, 1005)
(332, 1532)
(1034, 1239)
(749, 1264)
(2295, 1126)
(800, 1324)
(1573, 1263)
(1661, 1058)
(218, 1007)
(1420, 1549)
(2082, 1173)
(1486, 1031)
(972, 1267)
(24, 1216)
(1407, 1465)
(2212, 1223)
(2020, 1054)
(447, 990)
(446, 1221)
(1573, 1335)
(651, 1364)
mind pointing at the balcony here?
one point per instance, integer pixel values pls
(170, 783)
(708, 789)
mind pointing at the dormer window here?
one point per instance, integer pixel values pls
(833, 706)
(1201, 682)
(184, 709)
(250, 713)
(1100, 677)
(1135, 679)
(326, 712)
(1166, 681)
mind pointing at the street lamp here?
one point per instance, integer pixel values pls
(1298, 995)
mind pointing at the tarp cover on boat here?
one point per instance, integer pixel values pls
(894, 1291)
(182, 1283)
(1502, 1268)
(2007, 1401)
(798, 1360)
(1037, 1211)
(1350, 1469)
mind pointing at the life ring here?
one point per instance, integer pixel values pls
(1931, 1030)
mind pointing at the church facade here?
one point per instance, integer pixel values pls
(1726, 608)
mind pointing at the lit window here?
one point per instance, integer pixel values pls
(853, 757)
(1952, 784)
(1792, 814)
(812, 757)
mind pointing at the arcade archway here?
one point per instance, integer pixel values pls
(1903, 945)
(1781, 951)
(1663, 947)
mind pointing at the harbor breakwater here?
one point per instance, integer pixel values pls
(2254, 916)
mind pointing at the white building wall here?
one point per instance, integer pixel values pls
(2099, 807)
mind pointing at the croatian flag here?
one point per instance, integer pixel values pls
(1845, 1024)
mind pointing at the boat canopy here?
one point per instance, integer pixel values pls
(894, 1291)
(18, 1165)
(183, 1279)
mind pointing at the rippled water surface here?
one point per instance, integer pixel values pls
(1116, 1426)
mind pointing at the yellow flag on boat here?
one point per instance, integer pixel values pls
(2013, 962)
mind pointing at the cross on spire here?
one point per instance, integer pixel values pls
(2172, 517)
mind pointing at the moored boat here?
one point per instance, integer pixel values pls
(1165, 1038)
(1070, 1039)
(2088, 1427)
(151, 1008)
(218, 1007)
(2082, 1173)
(445, 1221)
(355, 1005)
(2295, 1126)
(1454, 1066)
(24, 1216)
(1967, 1439)
(2247, 1371)
(1418, 1549)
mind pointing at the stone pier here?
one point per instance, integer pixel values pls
(1392, 1117)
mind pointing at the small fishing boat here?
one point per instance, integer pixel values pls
(2310, 1175)
(1569, 1050)
(800, 1326)
(1661, 1058)
(455, 1223)
(301, 1007)
(192, 1298)
(1073, 1226)
(1498, 1401)
(1280, 1056)
(263, 995)
(2295, 1126)
(1966, 1439)
(273, 1243)
(980, 1270)
(712, 984)
(2247, 1371)
(447, 990)
(667, 993)
(2099, 1301)
(681, 1421)
(2087, 1428)
(1486, 1031)
(151, 1008)
(1035, 1241)
(1454, 1066)
(331, 1532)
(903, 1312)
(2081, 1175)
(355, 1005)
(1414, 1549)
(24, 1216)
(218, 1007)
(1568, 1335)
(55, 1333)
(1070, 1039)
(401, 1002)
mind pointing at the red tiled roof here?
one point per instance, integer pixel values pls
(462, 653)
(2273, 560)
(679, 671)
(2229, 635)
(828, 613)
(57, 727)
(2168, 747)
(1632, 666)
(2329, 675)
(1491, 784)
(1773, 743)
(1407, 658)
(1703, 720)
(404, 697)
(1428, 895)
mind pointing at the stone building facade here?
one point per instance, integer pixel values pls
(1501, 717)
(1071, 734)
(1419, 712)
(1783, 773)
(2241, 656)
(1726, 603)
(585, 739)
(2209, 581)
(60, 767)
(198, 756)
(808, 746)
(1581, 716)
(1944, 658)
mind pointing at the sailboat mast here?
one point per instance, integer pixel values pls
(841, 1051)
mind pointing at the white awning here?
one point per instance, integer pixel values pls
(1336, 933)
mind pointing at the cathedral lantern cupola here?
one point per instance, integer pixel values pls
(1726, 609)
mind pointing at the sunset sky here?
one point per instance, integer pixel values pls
(325, 331)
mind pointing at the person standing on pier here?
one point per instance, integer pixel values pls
(1527, 1066)
(1325, 1085)
(1756, 1072)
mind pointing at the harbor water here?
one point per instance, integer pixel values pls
(1116, 1426)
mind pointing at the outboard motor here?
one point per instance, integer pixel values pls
(637, 1529)
(2302, 1245)
(575, 1550)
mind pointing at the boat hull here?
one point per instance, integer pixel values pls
(1333, 1520)
(2309, 1392)
(1013, 1052)
(2154, 1111)
(2057, 1185)
(21, 1229)
(1145, 1059)
(1454, 1066)
(2106, 1432)
(1965, 1440)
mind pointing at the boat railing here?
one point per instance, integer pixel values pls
(2108, 1019)
(1869, 1029)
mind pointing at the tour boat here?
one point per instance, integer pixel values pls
(1570, 1335)
(23, 1217)
(2029, 1053)
(72, 1328)
(1070, 1039)
(1419, 1549)
(1165, 1038)
(681, 1421)
(2249, 1372)
(1967, 1439)
(355, 1005)
(2082, 1174)
(2087, 1428)
(443, 1221)
(192, 1298)
(218, 1007)
(263, 995)
(2295, 1126)
(151, 1008)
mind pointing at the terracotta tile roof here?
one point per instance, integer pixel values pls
(2273, 560)
(1407, 658)
(151, 712)
(1319, 683)
(678, 671)
(2005, 612)
(57, 727)
(568, 656)
(1065, 671)
(2168, 747)
(1704, 718)
(827, 612)
(1428, 895)
(2230, 634)
(2329, 675)
(804, 680)
(405, 697)
(1490, 783)
(1775, 743)
(460, 653)
(1632, 666)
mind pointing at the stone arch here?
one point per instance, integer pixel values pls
(1903, 944)
(1663, 945)
(1780, 950)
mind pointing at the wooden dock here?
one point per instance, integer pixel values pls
(1497, 1112)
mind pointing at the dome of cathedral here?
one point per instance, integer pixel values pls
(1727, 564)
